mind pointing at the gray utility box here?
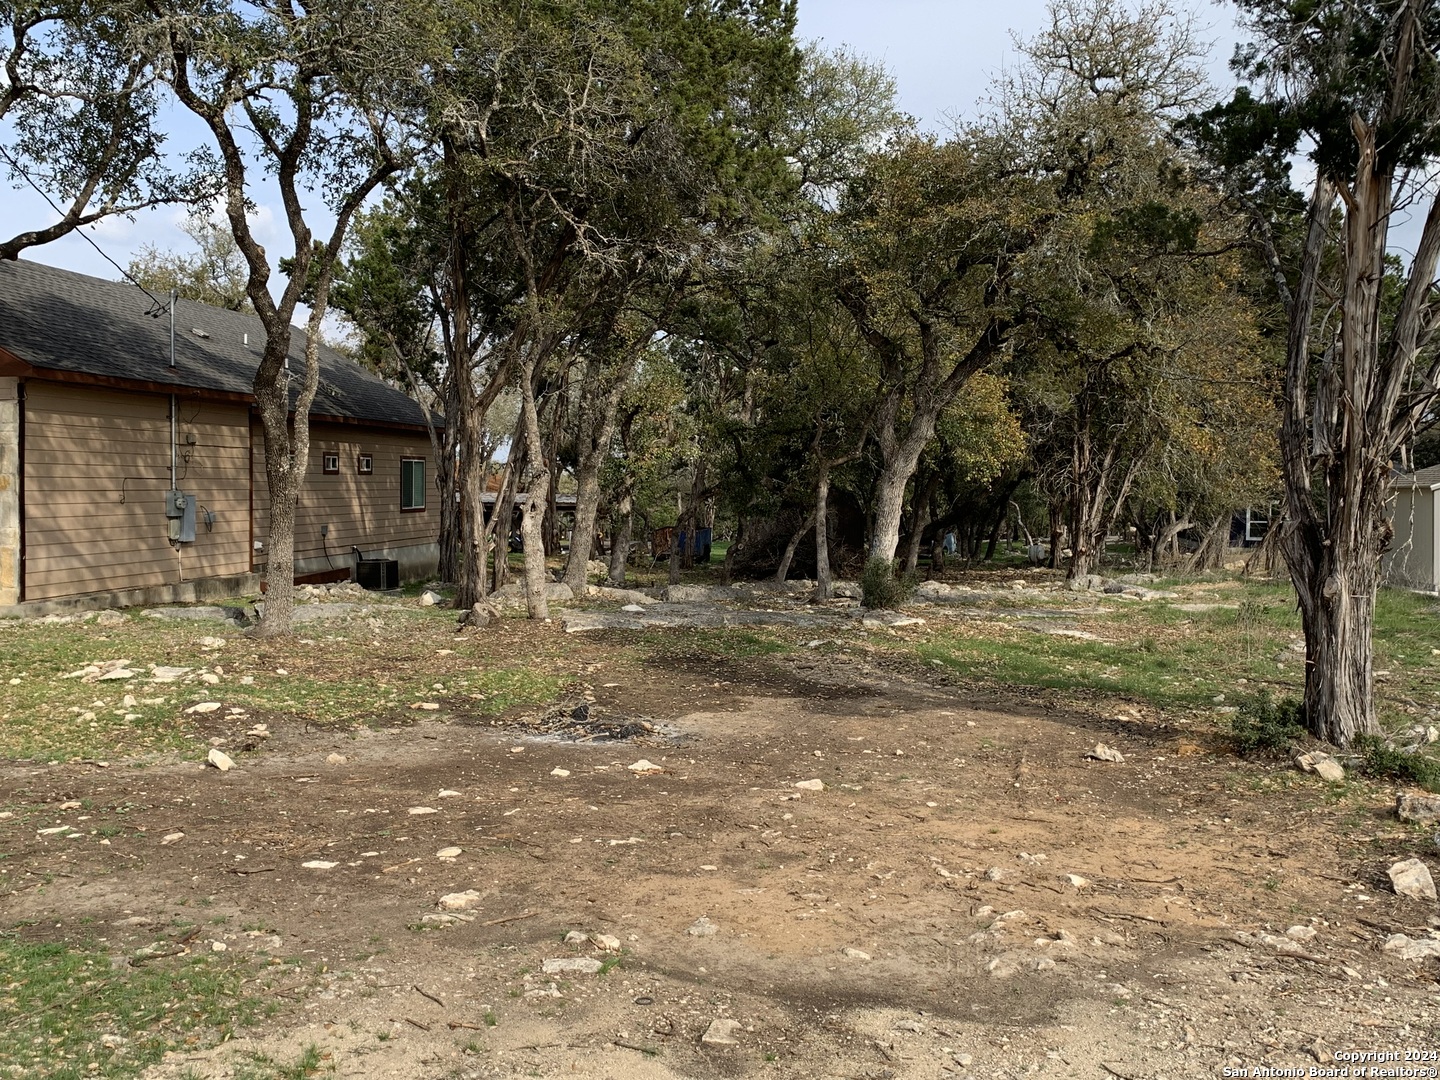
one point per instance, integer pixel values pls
(180, 509)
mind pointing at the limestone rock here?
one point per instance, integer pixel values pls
(1101, 752)
(1414, 806)
(721, 1033)
(220, 760)
(1411, 878)
(459, 901)
(1408, 948)
(811, 785)
(572, 965)
(702, 927)
(1322, 765)
(429, 599)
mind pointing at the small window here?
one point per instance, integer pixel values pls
(412, 483)
(330, 461)
(365, 464)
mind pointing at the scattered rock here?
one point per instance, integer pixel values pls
(721, 1033)
(429, 599)
(1301, 933)
(459, 901)
(1322, 765)
(171, 838)
(605, 942)
(1408, 948)
(811, 785)
(854, 954)
(204, 707)
(1101, 752)
(576, 937)
(996, 873)
(319, 864)
(116, 675)
(644, 766)
(209, 678)
(449, 853)
(702, 927)
(562, 773)
(572, 965)
(1076, 880)
(427, 706)
(1412, 879)
(167, 674)
(336, 759)
(889, 620)
(1413, 806)
(448, 793)
(220, 760)
(212, 643)
(421, 811)
(110, 618)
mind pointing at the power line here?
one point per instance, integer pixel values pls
(158, 306)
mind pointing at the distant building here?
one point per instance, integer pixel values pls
(124, 479)
(1413, 560)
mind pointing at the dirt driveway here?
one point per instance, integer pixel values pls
(969, 894)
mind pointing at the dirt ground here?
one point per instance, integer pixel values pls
(969, 895)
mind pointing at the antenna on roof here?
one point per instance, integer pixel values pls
(172, 329)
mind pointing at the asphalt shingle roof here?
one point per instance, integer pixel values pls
(1421, 478)
(58, 320)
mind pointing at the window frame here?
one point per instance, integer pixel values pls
(329, 462)
(365, 464)
(412, 509)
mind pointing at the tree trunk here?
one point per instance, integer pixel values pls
(537, 489)
(824, 584)
(727, 568)
(899, 466)
(1338, 613)
(620, 548)
(783, 570)
(920, 519)
(597, 426)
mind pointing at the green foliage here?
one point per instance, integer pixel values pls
(1264, 725)
(1381, 759)
(881, 588)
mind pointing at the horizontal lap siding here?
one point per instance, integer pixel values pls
(85, 448)
(362, 511)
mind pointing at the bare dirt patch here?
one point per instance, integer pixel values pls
(968, 895)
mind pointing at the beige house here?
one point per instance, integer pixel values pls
(132, 471)
(1413, 560)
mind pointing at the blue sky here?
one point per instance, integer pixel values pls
(943, 53)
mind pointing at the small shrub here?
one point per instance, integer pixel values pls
(880, 588)
(1381, 759)
(1263, 725)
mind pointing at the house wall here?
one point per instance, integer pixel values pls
(361, 510)
(96, 468)
(9, 491)
(1411, 560)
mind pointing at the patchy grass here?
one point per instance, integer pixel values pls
(311, 1063)
(1171, 658)
(69, 1013)
(335, 674)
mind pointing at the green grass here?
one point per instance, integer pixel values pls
(58, 1004)
(311, 1063)
(339, 674)
(1155, 653)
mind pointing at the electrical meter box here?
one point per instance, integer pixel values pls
(180, 509)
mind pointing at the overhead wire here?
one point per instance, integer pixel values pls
(158, 307)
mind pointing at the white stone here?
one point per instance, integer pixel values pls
(421, 811)
(1408, 948)
(702, 927)
(429, 599)
(449, 853)
(721, 1033)
(204, 707)
(1105, 753)
(319, 864)
(811, 785)
(1301, 933)
(854, 954)
(562, 773)
(459, 901)
(172, 838)
(427, 706)
(572, 965)
(336, 759)
(605, 942)
(220, 760)
(644, 766)
(1412, 879)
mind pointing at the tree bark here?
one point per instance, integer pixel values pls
(783, 570)
(620, 547)
(537, 487)
(597, 426)
(920, 506)
(824, 584)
